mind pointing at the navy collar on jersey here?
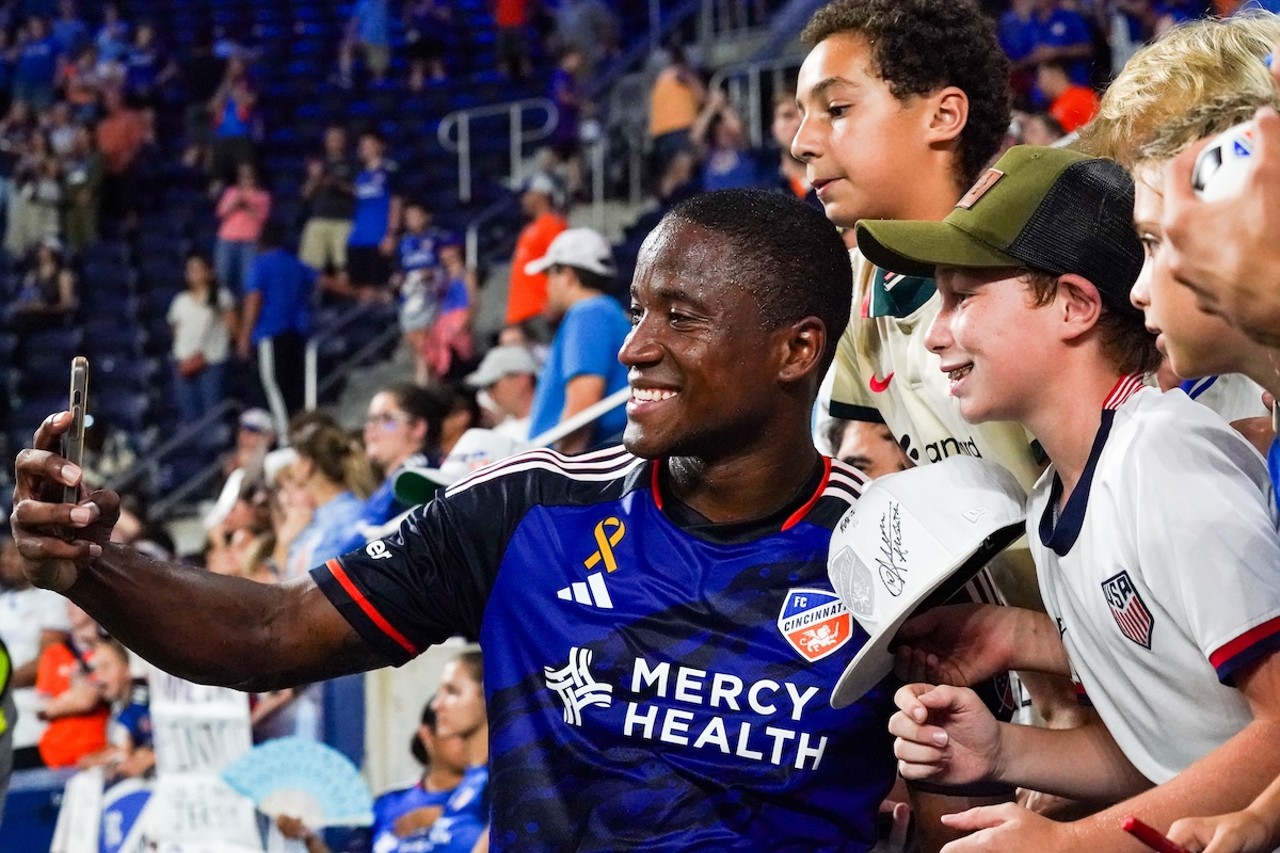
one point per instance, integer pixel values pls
(693, 522)
(1062, 535)
(1193, 388)
(896, 295)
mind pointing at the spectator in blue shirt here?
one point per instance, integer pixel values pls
(276, 322)
(376, 221)
(1017, 35)
(37, 65)
(113, 37)
(369, 32)
(146, 67)
(582, 367)
(1062, 34)
(69, 30)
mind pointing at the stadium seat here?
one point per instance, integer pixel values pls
(125, 410)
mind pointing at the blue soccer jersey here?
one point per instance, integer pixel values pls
(653, 680)
(464, 815)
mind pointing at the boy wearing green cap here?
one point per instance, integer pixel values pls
(1034, 268)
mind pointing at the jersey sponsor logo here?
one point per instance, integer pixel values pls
(878, 385)
(576, 686)
(682, 720)
(1128, 609)
(695, 708)
(814, 622)
(938, 450)
(377, 550)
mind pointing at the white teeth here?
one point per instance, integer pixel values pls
(960, 372)
(651, 395)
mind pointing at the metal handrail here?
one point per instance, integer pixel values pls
(748, 75)
(152, 459)
(312, 386)
(517, 137)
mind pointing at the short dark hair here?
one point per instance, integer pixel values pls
(421, 404)
(1124, 336)
(593, 280)
(415, 742)
(834, 433)
(920, 46)
(785, 253)
(474, 662)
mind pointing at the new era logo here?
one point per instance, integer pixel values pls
(592, 592)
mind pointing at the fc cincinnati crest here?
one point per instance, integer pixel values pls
(1128, 609)
(815, 622)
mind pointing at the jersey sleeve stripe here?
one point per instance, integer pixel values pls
(1248, 648)
(609, 466)
(366, 606)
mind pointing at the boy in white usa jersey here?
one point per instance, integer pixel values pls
(1153, 530)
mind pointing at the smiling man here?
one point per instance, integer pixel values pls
(659, 632)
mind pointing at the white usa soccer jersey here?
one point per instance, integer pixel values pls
(1161, 570)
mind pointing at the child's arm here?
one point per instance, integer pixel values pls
(79, 698)
(1226, 779)
(135, 761)
(947, 735)
(964, 644)
(1255, 829)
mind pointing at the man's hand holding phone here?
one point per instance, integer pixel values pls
(57, 526)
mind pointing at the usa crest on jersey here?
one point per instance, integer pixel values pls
(814, 622)
(1128, 609)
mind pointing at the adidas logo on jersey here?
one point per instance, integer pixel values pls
(592, 592)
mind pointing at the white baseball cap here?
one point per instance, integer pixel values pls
(909, 543)
(227, 499)
(276, 461)
(583, 248)
(499, 362)
(474, 450)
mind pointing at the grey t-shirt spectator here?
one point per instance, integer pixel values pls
(334, 198)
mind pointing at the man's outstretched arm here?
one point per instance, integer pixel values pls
(188, 621)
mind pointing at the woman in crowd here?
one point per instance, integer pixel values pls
(242, 211)
(203, 320)
(48, 294)
(449, 345)
(402, 429)
(447, 810)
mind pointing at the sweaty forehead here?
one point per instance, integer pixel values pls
(680, 254)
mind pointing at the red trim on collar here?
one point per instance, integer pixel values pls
(796, 517)
(792, 520)
(1124, 388)
(653, 484)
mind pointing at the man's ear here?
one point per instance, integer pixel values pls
(1079, 305)
(948, 115)
(802, 345)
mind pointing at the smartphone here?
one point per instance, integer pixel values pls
(73, 439)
